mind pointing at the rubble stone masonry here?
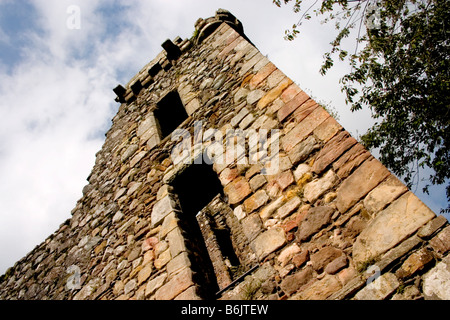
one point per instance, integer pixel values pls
(330, 223)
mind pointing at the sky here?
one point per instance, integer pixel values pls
(60, 60)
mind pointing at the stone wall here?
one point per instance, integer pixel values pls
(330, 223)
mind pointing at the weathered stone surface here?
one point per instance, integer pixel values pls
(262, 74)
(327, 129)
(304, 128)
(350, 160)
(303, 150)
(274, 93)
(292, 105)
(285, 179)
(131, 150)
(320, 290)
(268, 210)
(360, 183)
(175, 286)
(441, 242)
(316, 218)
(161, 209)
(332, 150)
(414, 263)
(176, 242)
(268, 242)
(385, 193)
(295, 282)
(431, 227)
(436, 283)
(391, 226)
(287, 254)
(337, 264)
(380, 288)
(252, 226)
(318, 187)
(145, 273)
(256, 201)
(178, 263)
(189, 294)
(288, 208)
(238, 190)
(324, 256)
(155, 284)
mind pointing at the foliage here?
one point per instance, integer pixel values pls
(400, 71)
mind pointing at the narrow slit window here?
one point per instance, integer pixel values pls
(170, 113)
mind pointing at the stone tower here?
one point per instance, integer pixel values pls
(221, 179)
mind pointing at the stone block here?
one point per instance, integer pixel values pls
(175, 286)
(292, 105)
(320, 290)
(431, 227)
(415, 262)
(256, 201)
(241, 114)
(391, 226)
(285, 179)
(337, 264)
(327, 129)
(287, 254)
(161, 209)
(254, 96)
(228, 175)
(441, 242)
(176, 242)
(145, 273)
(295, 282)
(268, 242)
(303, 150)
(251, 226)
(350, 160)
(146, 125)
(274, 93)
(304, 128)
(193, 106)
(268, 210)
(290, 93)
(436, 282)
(257, 182)
(384, 194)
(380, 288)
(130, 151)
(262, 74)
(324, 256)
(288, 208)
(237, 190)
(318, 187)
(178, 263)
(189, 294)
(332, 150)
(155, 284)
(360, 183)
(316, 218)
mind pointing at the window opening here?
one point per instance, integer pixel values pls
(211, 227)
(170, 113)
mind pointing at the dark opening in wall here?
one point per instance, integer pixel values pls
(170, 113)
(199, 192)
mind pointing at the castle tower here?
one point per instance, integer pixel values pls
(221, 179)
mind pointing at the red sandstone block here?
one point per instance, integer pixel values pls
(304, 110)
(304, 128)
(262, 75)
(290, 93)
(332, 150)
(292, 105)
